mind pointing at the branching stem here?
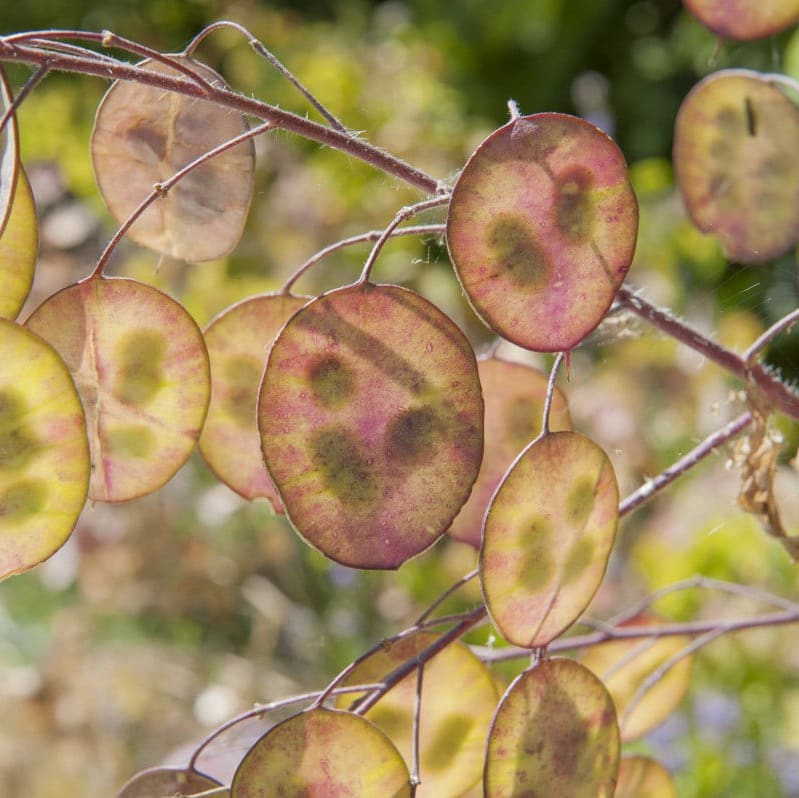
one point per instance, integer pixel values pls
(403, 214)
(89, 63)
(271, 58)
(770, 386)
(371, 235)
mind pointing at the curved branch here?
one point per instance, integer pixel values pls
(11, 50)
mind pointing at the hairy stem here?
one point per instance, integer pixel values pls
(89, 64)
(776, 392)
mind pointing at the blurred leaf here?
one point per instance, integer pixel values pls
(624, 665)
(238, 342)
(514, 397)
(643, 777)
(744, 20)
(736, 159)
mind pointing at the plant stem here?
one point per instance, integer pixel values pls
(685, 463)
(578, 642)
(371, 235)
(776, 392)
(267, 55)
(263, 709)
(88, 64)
(403, 214)
(471, 619)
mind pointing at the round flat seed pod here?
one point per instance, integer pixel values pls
(554, 733)
(9, 153)
(143, 135)
(643, 777)
(624, 666)
(19, 245)
(321, 753)
(140, 365)
(541, 229)
(514, 397)
(371, 421)
(159, 782)
(458, 702)
(238, 342)
(548, 534)
(44, 454)
(736, 160)
(745, 20)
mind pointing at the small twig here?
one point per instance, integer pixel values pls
(272, 59)
(470, 620)
(785, 323)
(685, 463)
(553, 374)
(30, 84)
(263, 709)
(578, 642)
(371, 235)
(665, 667)
(205, 793)
(388, 641)
(445, 595)
(17, 50)
(403, 214)
(109, 39)
(773, 389)
(416, 778)
(160, 190)
(703, 583)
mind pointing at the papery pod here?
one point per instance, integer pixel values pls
(554, 734)
(320, 753)
(644, 777)
(548, 534)
(371, 420)
(736, 161)
(745, 20)
(541, 229)
(238, 342)
(143, 135)
(158, 782)
(9, 152)
(140, 365)
(625, 665)
(19, 244)
(514, 396)
(458, 701)
(44, 454)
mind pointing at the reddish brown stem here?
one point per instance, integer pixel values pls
(285, 120)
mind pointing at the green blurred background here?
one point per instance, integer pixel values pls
(163, 617)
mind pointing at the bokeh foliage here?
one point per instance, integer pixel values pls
(164, 617)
